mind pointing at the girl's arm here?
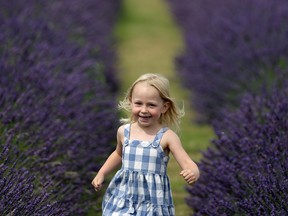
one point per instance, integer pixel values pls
(113, 161)
(190, 171)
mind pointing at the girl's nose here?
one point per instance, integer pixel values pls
(144, 109)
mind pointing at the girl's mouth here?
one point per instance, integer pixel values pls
(144, 117)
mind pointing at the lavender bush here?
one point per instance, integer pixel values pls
(90, 24)
(19, 196)
(232, 47)
(61, 110)
(245, 170)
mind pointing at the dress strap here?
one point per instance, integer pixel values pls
(126, 133)
(158, 137)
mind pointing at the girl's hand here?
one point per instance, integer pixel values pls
(189, 176)
(98, 182)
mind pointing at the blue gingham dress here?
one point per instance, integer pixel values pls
(141, 187)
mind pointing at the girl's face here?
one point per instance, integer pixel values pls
(147, 105)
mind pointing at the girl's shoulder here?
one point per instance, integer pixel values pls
(121, 127)
(169, 131)
(170, 135)
(120, 132)
(168, 138)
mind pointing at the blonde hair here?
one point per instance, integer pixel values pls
(171, 117)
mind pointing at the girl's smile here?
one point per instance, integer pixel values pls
(144, 119)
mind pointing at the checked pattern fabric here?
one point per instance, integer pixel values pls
(141, 187)
(144, 156)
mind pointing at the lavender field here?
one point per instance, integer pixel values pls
(57, 104)
(60, 80)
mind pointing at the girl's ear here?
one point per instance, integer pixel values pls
(166, 106)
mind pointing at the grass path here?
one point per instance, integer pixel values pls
(148, 40)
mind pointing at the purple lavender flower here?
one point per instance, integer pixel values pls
(232, 48)
(20, 193)
(244, 172)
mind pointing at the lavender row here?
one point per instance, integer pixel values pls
(55, 98)
(244, 172)
(232, 48)
(88, 23)
(235, 65)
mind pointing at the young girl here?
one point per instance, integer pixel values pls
(141, 186)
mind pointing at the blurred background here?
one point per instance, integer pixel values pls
(65, 65)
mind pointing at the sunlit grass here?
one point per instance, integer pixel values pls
(147, 41)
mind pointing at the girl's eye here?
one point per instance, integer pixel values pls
(152, 105)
